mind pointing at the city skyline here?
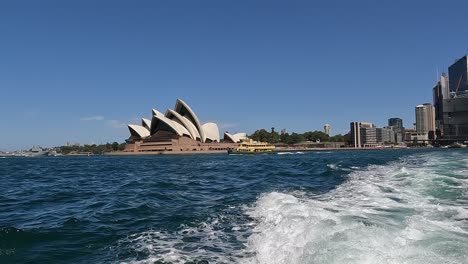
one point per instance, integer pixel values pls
(81, 73)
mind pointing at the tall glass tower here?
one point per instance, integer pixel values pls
(458, 75)
(397, 124)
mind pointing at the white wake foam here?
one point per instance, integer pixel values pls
(208, 242)
(384, 214)
(411, 211)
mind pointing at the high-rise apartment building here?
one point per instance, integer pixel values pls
(458, 75)
(425, 120)
(327, 129)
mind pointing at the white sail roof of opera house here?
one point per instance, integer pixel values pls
(159, 122)
(138, 131)
(184, 110)
(211, 131)
(236, 138)
(146, 123)
(173, 115)
(181, 121)
(154, 121)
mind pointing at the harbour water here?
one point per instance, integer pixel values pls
(387, 206)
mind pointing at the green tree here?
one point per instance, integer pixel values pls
(115, 146)
(295, 138)
(95, 149)
(274, 137)
(337, 138)
(316, 135)
(347, 138)
(122, 146)
(260, 135)
(284, 138)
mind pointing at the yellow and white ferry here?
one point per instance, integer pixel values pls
(252, 147)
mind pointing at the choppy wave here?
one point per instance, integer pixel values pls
(341, 167)
(414, 210)
(219, 240)
(399, 206)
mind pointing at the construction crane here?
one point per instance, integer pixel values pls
(458, 85)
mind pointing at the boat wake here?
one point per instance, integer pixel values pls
(404, 212)
(414, 210)
(220, 240)
(290, 153)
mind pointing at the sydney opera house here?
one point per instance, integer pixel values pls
(177, 131)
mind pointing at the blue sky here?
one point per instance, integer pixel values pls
(80, 71)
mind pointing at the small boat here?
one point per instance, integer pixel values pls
(252, 147)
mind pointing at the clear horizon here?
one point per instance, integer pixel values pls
(79, 72)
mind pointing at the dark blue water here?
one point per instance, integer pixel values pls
(395, 206)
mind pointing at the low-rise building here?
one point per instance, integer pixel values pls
(366, 135)
(385, 135)
(363, 135)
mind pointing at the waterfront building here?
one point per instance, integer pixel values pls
(440, 92)
(458, 79)
(455, 116)
(355, 132)
(399, 137)
(363, 134)
(385, 135)
(327, 129)
(397, 125)
(177, 130)
(412, 136)
(425, 120)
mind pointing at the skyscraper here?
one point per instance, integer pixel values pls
(455, 107)
(458, 75)
(397, 125)
(425, 120)
(440, 92)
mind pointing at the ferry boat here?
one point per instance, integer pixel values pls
(252, 147)
(35, 152)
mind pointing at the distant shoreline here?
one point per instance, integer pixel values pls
(277, 150)
(207, 152)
